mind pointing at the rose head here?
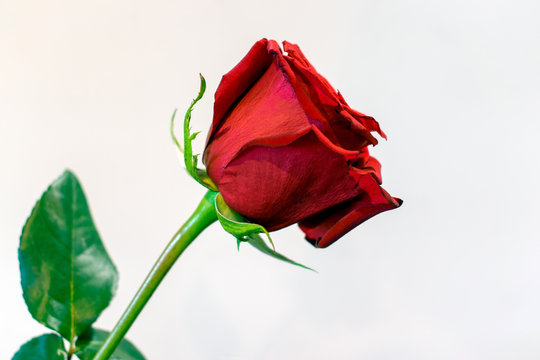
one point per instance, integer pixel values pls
(284, 147)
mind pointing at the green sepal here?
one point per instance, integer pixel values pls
(190, 160)
(44, 347)
(173, 135)
(235, 224)
(258, 243)
(67, 277)
(91, 341)
(238, 242)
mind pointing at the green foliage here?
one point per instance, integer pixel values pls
(89, 343)
(44, 347)
(258, 243)
(236, 225)
(67, 276)
(191, 160)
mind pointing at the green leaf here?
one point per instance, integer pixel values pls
(44, 347)
(191, 160)
(235, 224)
(90, 342)
(258, 243)
(66, 275)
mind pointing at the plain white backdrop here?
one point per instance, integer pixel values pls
(453, 274)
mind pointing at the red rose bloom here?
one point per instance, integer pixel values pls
(285, 148)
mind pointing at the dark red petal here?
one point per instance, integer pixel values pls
(236, 82)
(374, 164)
(294, 51)
(297, 55)
(367, 121)
(268, 114)
(322, 102)
(326, 88)
(279, 186)
(325, 228)
(274, 49)
(359, 127)
(349, 155)
(367, 165)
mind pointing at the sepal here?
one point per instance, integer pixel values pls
(190, 160)
(258, 243)
(243, 231)
(235, 224)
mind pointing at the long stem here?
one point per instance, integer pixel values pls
(203, 216)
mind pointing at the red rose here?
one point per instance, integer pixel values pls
(285, 148)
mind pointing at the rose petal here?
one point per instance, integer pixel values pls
(296, 54)
(282, 136)
(359, 127)
(325, 228)
(345, 126)
(255, 121)
(279, 186)
(349, 155)
(237, 81)
(367, 121)
(366, 165)
(328, 94)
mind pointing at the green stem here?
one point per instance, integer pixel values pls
(204, 215)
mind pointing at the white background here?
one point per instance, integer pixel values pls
(453, 274)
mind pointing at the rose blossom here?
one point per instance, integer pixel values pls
(284, 147)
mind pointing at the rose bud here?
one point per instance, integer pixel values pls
(284, 147)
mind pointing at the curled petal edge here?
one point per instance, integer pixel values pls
(325, 228)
